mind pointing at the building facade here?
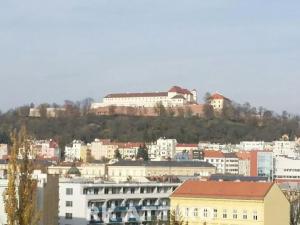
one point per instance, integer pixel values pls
(99, 202)
(175, 96)
(231, 203)
(138, 170)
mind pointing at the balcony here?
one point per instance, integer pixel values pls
(95, 222)
(115, 220)
(120, 209)
(149, 207)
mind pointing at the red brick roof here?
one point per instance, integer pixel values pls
(224, 189)
(130, 95)
(218, 96)
(180, 90)
(213, 154)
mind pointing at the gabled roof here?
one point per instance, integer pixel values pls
(223, 190)
(130, 95)
(179, 90)
(217, 95)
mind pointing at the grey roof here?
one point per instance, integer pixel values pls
(226, 177)
(162, 163)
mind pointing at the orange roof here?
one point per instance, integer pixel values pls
(213, 154)
(217, 96)
(223, 189)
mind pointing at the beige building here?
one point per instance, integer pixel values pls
(138, 170)
(231, 203)
(218, 101)
(88, 170)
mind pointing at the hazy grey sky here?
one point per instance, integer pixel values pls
(70, 49)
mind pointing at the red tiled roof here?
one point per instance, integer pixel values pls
(130, 95)
(217, 96)
(213, 154)
(224, 190)
(180, 90)
(182, 145)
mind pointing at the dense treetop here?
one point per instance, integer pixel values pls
(236, 123)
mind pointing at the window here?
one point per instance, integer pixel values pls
(69, 203)
(205, 213)
(255, 217)
(187, 212)
(196, 212)
(245, 216)
(234, 214)
(215, 213)
(224, 214)
(68, 216)
(69, 191)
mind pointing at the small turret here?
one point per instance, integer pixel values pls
(194, 93)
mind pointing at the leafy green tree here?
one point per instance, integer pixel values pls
(142, 153)
(160, 110)
(117, 154)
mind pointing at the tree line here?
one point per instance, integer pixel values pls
(233, 124)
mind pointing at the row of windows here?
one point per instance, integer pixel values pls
(225, 215)
(142, 190)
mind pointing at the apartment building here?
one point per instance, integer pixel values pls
(73, 151)
(286, 169)
(231, 203)
(84, 202)
(286, 148)
(138, 170)
(45, 150)
(226, 163)
(163, 149)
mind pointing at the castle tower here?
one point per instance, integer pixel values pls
(194, 92)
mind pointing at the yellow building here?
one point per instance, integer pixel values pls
(231, 203)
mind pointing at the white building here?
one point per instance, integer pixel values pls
(213, 146)
(225, 163)
(286, 169)
(3, 151)
(83, 202)
(176, 96)
(252, 145)
(285, 148)
(73, 152)
(162, 149)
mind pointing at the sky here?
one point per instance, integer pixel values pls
(55, 50)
